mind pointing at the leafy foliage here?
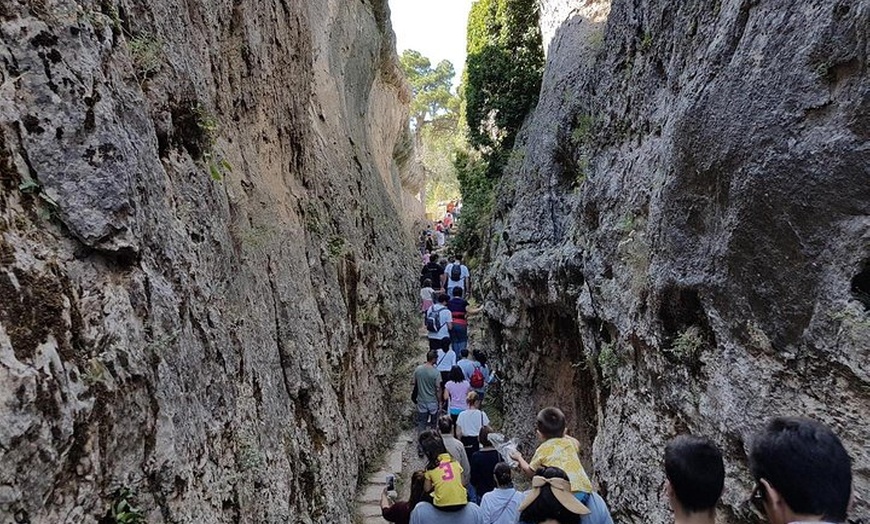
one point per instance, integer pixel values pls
(504, 67)
(123, 509)
(478, 194)
(435, 117)
(433, 101)
(501, 85)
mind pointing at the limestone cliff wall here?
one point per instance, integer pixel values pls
(205, 266)
(686, 222)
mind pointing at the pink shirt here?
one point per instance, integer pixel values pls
(458, 392)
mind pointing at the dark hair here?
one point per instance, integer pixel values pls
(445, 424)
(456, 374)
(464, 353)
(479, 356)
(432, 446)
(546, 505)
(457, 291)
(806, 463)
(442, 298)
(433, 257)
(418, 484)
(696, 471)
(427, 282)
(551, 422)
(432, 355)
(502, 474)
(458, 258)
(483, 436)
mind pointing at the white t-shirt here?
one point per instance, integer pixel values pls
(445, 316)
(445, 361)
(464, 274)
(470, 421)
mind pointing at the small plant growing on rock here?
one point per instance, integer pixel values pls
(608, 361)
(335, 247)
(147, 53)
(688, 344)
(123, 509)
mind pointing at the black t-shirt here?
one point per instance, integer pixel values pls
(433, 272)
(482, 465)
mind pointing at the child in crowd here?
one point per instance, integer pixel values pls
(443, 474)
(557, 450)
(426, 294)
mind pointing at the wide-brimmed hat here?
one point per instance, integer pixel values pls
(561, 489)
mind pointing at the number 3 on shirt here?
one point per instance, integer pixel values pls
(448, 471)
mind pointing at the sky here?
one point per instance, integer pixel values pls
(436, 28)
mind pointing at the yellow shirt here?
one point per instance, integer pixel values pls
(447, 481)
(563, 453)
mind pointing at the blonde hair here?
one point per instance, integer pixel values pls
(471, 398)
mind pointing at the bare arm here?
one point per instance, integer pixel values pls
(523, 465)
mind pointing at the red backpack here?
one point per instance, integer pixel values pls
(477, 378)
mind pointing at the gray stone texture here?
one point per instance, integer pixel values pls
(223, 347)
(682, 238)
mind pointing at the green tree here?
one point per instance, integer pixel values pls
(435, 121)
(501, 83)
(504, 68)
(433, 103)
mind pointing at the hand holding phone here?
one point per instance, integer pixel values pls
(391, 483)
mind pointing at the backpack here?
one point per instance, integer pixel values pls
(433, 320)
(477, 379)
(456, 272)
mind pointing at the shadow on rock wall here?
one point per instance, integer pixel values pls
(206, 280)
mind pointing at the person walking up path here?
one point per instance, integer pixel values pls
(427, 384)
(457, 275)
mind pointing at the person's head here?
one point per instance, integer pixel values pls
(479, 356)
(458, 259)
(463, 353)
(457, 292)
(432, 445)
(801, 470)
(445, 424)
(433, 258)
(427, 283)
(456, 374)
(695, 473)
(442, 298)
(483, 437)
(551, 498)
(472, 399)
(502, 475)
(432, 356)
(418, 487)
(550, 423)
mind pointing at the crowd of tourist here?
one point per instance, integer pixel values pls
(801, 471)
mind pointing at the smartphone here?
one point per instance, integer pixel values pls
(391, 483)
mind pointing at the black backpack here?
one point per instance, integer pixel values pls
(433, 319)
(456, 272)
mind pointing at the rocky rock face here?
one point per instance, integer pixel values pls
(205, 266)
(686, 222)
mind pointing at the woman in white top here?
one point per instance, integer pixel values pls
(469, 422)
